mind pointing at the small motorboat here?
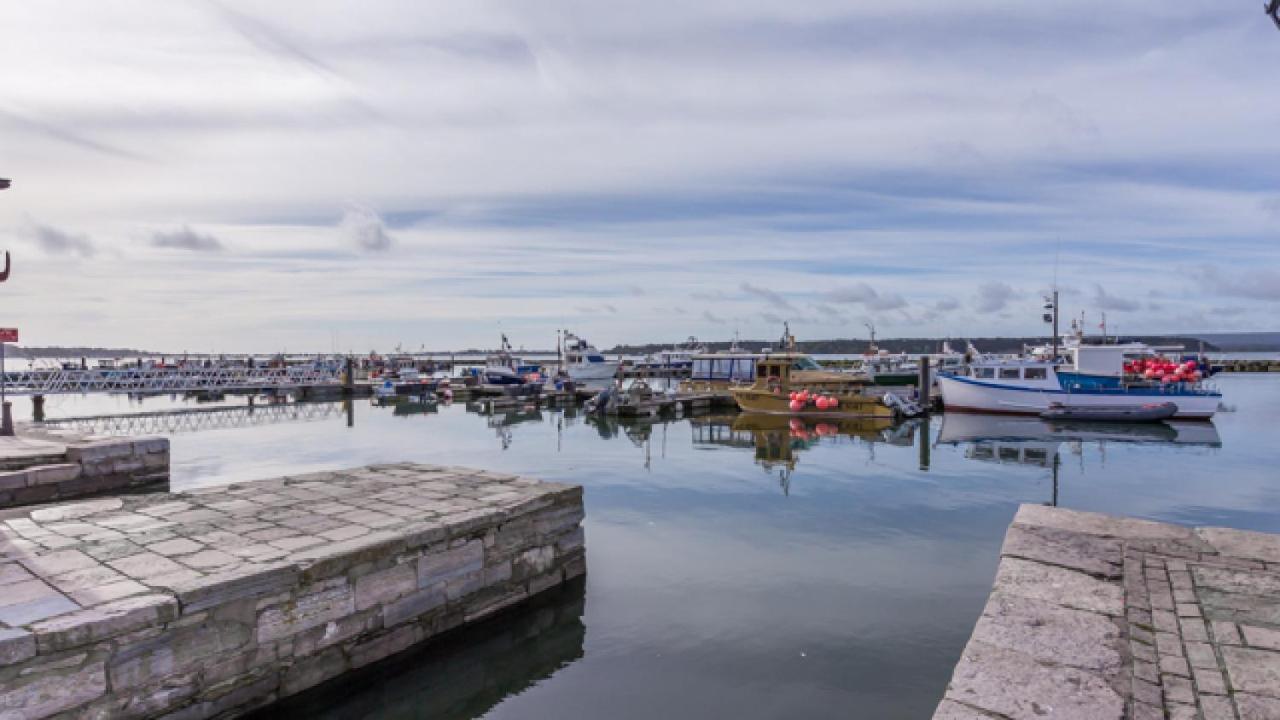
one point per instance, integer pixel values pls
(1150, 412)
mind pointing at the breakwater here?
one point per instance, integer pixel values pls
(1103, 617)
(45, 468)
(221, 600)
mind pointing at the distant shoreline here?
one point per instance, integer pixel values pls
(1212, 342)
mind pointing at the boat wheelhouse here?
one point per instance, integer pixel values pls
(584, 363)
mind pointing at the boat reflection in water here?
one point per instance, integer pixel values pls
(969, 427)
(1033, 442)
(777, 440)
(463, 674)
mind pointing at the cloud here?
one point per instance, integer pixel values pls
(363, 228)
(767, 295)
(993, 297)
(1103, 301)
(57, 131)
(708, 295)
(867, 296)
(1229, 311)
(186, 239)
(946, 304)
(635, 290)
(713, 318)
(1251, 284)
(772, 318)
(59, 242)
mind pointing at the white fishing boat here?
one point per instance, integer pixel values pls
(1083, 375)
(584, 363)
(674, 359)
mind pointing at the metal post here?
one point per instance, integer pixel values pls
(922, 440)
(6, 422)
(924, 382)
(37, 408)
(349, 385)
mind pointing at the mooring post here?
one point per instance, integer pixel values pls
(924, 382)
(349, 382)
(37, 408)
(6, 407)
(922, 442)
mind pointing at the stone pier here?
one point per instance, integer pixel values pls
(214, 602)
(46, 467)
(1094, 617)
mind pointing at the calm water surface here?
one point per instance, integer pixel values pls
(737, 568)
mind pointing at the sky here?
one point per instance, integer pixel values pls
(221, 176)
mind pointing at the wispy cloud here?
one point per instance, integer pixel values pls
(1263, 284)
(364, 228)
(185, 238)
(769, 296)
(59, 242)
(993, 297)
(867, 296)
(1103, 300)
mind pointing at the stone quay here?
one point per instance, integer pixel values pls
(1095, 617)
(47, 467)
(217, 601)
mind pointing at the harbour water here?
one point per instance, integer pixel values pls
(737, 569)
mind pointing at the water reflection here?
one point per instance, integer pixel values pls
(461, 675)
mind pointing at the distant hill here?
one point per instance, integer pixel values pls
(1245, 341)
(854, 346)
(36, 353)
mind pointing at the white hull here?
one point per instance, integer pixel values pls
(586, 372)
(965, 394)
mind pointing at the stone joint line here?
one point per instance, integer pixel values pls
(1095, 617)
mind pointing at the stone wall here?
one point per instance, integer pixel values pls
(1111, 618)
(85, 468)
(228, 599)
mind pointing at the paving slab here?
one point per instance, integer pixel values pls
(1095, 616)
(99, 606)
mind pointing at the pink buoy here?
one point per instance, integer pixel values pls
(796, 424)
(833, 403)
(796, 405)
(1167, 379)
(821, 402)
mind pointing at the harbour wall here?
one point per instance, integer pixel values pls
(1112, 618)
(211, 603)
(53, 471)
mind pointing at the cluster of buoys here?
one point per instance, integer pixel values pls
(1165, 371)
(801, 399)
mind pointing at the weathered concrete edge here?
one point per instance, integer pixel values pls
(313, 617)
(1061, 569)
(88, 468)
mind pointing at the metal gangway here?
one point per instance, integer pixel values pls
(197, 419)
(195, 378)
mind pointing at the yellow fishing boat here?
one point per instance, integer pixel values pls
(786, 385)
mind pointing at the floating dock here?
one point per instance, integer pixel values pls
(217, 601)
(1106, 618)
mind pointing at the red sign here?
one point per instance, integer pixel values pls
(8, 334)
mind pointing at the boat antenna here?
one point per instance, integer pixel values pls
(1273, 9)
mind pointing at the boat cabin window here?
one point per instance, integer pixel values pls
(805, 363)
(984, 372)
(1035, 373)
(1009, 373)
